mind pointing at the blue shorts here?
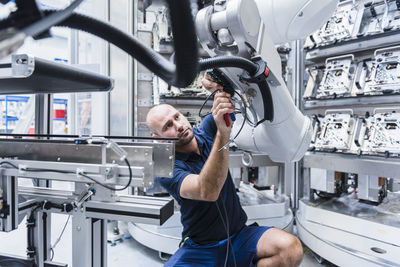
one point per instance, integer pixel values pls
(244, 245)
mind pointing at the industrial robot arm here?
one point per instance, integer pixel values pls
(250, 29)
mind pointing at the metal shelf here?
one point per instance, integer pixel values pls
(355, 45)
(351, 101)
(369, 165)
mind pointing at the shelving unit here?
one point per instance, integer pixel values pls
(352, 161)
(13, 106)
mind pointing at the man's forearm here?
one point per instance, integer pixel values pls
(213, 175)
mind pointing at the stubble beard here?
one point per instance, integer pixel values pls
(185, 140)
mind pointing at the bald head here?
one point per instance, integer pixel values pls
(157, 114)
(165, 121)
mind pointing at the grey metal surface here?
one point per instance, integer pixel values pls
(352, 164)
(235, 160)
(351, 101)
(370, 42)
(65, 151)
(387, 214)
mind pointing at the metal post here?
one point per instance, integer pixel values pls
(9, 203)
(42, 237)
(42, 230)
(43, 113)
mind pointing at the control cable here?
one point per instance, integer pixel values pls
(81, 174)
(59, 238)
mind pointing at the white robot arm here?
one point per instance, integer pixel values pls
(250, 29)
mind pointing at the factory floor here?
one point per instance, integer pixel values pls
(126, 253)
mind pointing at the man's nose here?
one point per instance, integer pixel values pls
(179, 126)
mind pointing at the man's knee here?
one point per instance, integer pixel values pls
(291, 251)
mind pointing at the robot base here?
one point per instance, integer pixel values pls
(354, 235)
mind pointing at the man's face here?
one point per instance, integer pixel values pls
(170, 123)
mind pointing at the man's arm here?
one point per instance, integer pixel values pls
(208, 184)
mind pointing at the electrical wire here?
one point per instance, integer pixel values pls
(59, 238)
(227, 233)
(9, 163)
(51, 20)
(81, 174)
(226, 226)
(205, 102)
(229, 237)
(240, 129)
(109, 187)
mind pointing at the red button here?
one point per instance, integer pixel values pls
(266, 72)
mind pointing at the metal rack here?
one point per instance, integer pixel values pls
(332, 218)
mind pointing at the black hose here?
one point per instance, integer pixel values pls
(229, 61)
(185, 42)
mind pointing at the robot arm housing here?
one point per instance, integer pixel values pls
(234, 27)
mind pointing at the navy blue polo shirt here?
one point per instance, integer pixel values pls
(200, 219)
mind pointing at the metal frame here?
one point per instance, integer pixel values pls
(90, 205)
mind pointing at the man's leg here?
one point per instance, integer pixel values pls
(278, 248)
(193, 255)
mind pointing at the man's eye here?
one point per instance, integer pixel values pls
(177, 117)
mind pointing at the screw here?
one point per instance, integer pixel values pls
(150, 163)
(170, 174)
(21, 61)
(171, 157)
(301, 14)
(78, 228)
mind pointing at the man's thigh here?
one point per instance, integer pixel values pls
(245, 245)
(189, 256)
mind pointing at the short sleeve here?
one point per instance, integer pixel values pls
(208, 125)
(173, 185)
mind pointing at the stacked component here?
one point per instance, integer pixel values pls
(341, 131)
(347, 76)
(357, 19)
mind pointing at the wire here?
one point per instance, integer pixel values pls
(205, 101)
(229, 237)
(81, 174)
(226, 226)
(227, 233)
(59, 238)
(109, 187)
(9, 163)
(241, 127)
(51, 20)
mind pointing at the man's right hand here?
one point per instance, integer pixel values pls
(222, 105)
(209, 84)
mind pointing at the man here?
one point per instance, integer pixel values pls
(210, 207)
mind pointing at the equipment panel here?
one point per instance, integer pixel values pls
(381, 134)
(347, 76)
(343, 25)
(383, 76)
(337, 77)
(333, 132)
